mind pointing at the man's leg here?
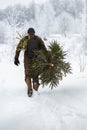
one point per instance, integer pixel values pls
(28, 82)
(36, 83)
(29, 85)
(27, 62)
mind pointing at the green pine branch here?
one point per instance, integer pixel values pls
(50, 65)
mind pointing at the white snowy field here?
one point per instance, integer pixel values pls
(63, 108)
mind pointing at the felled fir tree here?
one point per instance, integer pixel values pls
(50, 65)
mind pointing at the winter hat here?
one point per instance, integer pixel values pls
(31, 30)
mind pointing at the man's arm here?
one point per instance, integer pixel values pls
(22, 45)
(17, 52)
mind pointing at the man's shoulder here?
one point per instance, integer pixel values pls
(39, 38)
(24, 38)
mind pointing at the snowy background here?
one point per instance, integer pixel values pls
(64, 107)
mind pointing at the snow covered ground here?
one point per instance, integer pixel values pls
(63, 108)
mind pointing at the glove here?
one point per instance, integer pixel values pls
(16, 61)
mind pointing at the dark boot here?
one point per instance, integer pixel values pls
(30, 92)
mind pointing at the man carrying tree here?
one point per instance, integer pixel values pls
(29, 43)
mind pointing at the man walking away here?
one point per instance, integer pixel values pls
(29, 43)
